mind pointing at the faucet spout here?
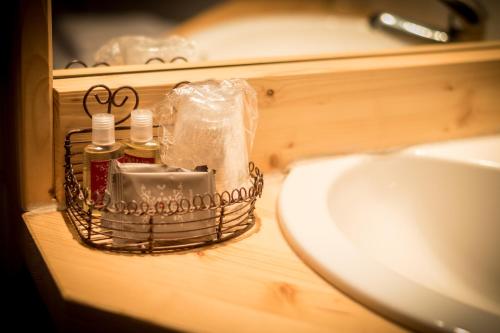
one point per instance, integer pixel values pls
(466, 22)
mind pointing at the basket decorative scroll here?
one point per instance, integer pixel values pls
(72, 63)
(141, 227)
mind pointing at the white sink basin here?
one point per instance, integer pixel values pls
(292, 35)
(414, 235)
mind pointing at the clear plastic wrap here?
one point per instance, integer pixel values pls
(129, 50)
(210, 123)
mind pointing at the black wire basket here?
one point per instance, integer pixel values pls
(140, 227)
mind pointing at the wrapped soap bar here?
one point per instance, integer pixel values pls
(147, 197)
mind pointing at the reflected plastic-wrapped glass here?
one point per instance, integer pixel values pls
(130, 50)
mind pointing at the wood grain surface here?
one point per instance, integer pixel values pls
(252, 284)
(35, 130)
(330, 106)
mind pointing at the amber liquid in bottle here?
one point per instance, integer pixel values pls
(141, 152)
(141, 148)
(98, 154)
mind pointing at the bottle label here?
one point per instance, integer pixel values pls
(98, 179)
(126, 158)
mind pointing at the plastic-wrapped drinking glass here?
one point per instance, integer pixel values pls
(129, 50)
(210, 123)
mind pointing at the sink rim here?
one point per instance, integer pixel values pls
(403, 303)
(274, 29)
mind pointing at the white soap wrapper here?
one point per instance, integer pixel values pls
(135, 187)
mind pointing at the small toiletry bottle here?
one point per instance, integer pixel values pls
(98, 154)
(141, 148)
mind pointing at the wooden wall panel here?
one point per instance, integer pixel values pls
(35, 130)
(335, 106)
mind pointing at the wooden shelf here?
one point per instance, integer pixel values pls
(252, 284)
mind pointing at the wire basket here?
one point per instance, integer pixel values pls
(138, 227)
(223, 215)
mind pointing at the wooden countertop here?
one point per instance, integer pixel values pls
(252, 284)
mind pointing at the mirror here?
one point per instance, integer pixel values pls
(239, 31)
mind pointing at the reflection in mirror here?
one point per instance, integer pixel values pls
(90, 33)
(100, 33)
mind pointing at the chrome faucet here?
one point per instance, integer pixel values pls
(465, 22)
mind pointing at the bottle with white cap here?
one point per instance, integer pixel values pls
(142, 147)
(98, 154)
